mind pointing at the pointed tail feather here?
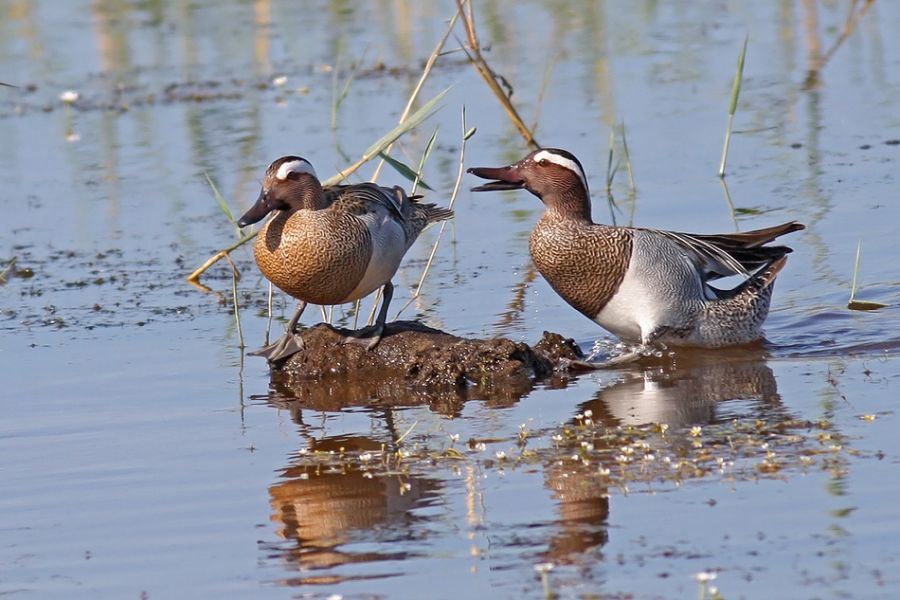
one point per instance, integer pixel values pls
(767, 277)
(758, 282)
(434, 213)
(751, 239)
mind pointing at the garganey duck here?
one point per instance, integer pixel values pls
(644, 285)
(332, 245)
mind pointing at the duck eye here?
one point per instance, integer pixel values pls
(543, 162)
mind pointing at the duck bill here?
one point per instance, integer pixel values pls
(257, 212)
(504, 178)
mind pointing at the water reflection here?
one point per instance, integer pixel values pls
(687, 390)
(334, 395)
(345, 499)
(322, 511)
(583, 509)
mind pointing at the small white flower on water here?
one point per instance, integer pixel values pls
(365, 457)
(544, 567)
(765, 446)
(667, 460)
(454, 437)
(649, 457)
(704, 576)
(587, 446)
(304, 475)
(557, 437)
(603, 471)
(73, 137)
(579, 417)
(806, 459)
(69, 96)
(576, 457)
(696, 430)
(403, 453)
(368, 475)
(279, 81)
(303, 451)
(405, 487)
(621, 458)
(589, 413)
(500, 454)
(335, 597)
(481, 446)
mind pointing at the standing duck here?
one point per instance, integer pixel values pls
(332, 245)
(644, 285)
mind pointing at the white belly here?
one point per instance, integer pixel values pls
(629, 313)
(388, 248)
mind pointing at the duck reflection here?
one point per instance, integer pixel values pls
(688, 389)
(332, 513)
(583, 509)
(322, 511)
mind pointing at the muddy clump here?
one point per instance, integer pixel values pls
(417, 358)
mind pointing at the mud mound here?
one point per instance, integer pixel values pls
(415, 356)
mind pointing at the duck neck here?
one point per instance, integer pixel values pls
(571, 204)
(306, 193)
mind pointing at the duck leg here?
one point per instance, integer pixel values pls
(371, 335)
(288, 344)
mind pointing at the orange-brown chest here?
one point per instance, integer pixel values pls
(584, 263)
(315, 256)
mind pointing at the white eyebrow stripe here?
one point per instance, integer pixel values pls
(563, 162)
(295, 166)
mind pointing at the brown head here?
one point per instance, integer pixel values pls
(553, 175)
(290, 184)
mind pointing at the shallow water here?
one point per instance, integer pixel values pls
(141, 454)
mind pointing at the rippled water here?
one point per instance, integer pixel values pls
(142, 455)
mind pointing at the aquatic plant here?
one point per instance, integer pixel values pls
(732, 105)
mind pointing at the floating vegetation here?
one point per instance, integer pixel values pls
(623, 459)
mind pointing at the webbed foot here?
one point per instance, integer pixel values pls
(286, 346)
(367, 336)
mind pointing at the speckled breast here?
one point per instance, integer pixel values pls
(314, 256)
(583, 263)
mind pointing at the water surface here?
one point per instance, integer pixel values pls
(142, 455)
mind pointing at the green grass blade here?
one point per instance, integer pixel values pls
(855, 304)
(738, 78)
(732, 106)
(855, 272)
(389, 138)
(425, 155)
(628, 160)
(414, 119)
(404, 169)
(221, 200)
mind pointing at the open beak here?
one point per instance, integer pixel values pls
(257, 212)
(504, 178)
